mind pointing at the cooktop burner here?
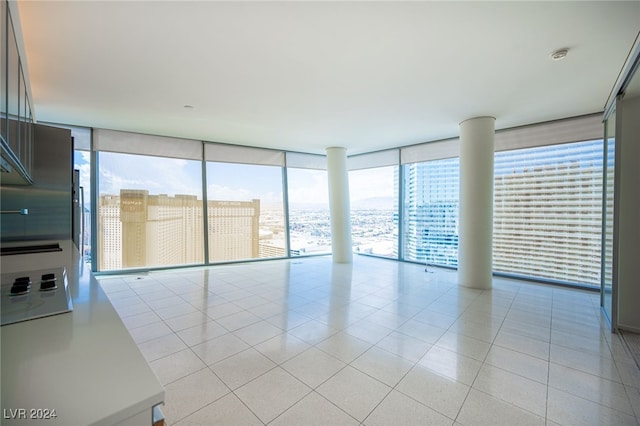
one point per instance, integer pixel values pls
(34, 294)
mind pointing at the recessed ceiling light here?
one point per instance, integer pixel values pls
(559, 54)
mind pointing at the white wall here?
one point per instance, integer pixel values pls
(629, 215)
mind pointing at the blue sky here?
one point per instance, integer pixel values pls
(226, 181)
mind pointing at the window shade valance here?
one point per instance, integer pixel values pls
(371, 160)
(224, 153)
(138, 143)
(300, 160)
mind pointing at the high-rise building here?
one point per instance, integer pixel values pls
(431, 212)
(142, 230)
(234, 230)
(110, 233)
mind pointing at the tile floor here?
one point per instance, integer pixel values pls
(378, 342)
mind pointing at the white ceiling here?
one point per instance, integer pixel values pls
(304, 76)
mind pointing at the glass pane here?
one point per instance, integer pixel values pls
(548, 212)
(22, 97)
(431, 212)
(374, 210)
(245, 210)
(149, 211)
(3, 71)
(309, 220)
(82, 162)
(607, 261)
(13, 91)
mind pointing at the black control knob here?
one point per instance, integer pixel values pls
(22, 281)
(48, 277)
(48, 282)
(17, 289)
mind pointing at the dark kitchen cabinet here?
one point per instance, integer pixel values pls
(16, 116)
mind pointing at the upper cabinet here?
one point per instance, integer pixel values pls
(16, 116)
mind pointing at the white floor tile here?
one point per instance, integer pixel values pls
(344, 346)
(422, 331)
(175, 310)
(598, 346)
(324, 366)
(526, 329)
(140, 320)
(519, 363)
(228, 410)
(464, 345)
(313, 331)
(405, 346)
(485, 332)
(368, 331)
(217, 349)
(447, 363)
(150, 332)
(374, 342)
(629, 373)
(161, 347)
(433, 390)
(567, 409)
(176, 366)
(435, 319)
(241, 368)
(257, 332)
(201, 333)
(514, 389)
(189, 320)
(272, 394)
(383, 366)
(484, 410)
(314, 410)
(189, 394)
(585, 361)
(399, 409)
(354, 392)
(587, 386)
(634, 399)
(130, 310)
(238, 320)
(523, 344)
(282, 347)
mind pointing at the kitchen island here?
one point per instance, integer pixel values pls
(75, 368)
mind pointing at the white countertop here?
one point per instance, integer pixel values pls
(82, 364)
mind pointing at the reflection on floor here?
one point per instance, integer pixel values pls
(378, 342)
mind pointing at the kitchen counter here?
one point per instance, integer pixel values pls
(83, 366)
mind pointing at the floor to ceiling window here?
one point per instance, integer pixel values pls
(82, 163)
(374, 210)
(309, 220)
(149, 201)
(548, 212)
(606, 279)
(431, 211)
(149, 211)
(245, 203)
(547, 201)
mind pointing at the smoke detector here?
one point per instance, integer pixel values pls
(559, 54)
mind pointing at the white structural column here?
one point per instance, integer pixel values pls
(339, 207)
(475, 227)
